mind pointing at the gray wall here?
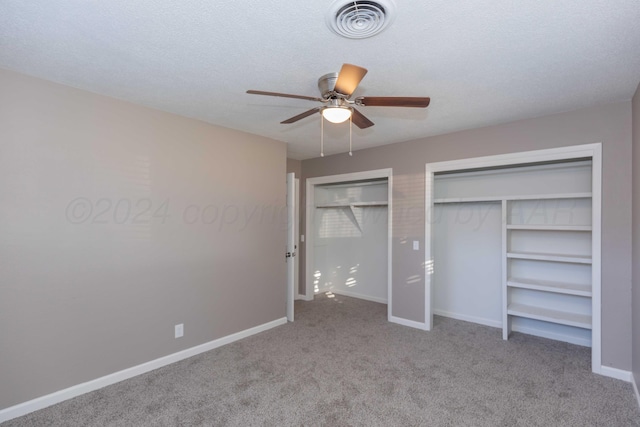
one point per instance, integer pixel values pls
(636, 236)
(609, 124)
(294, 166)
(87, 287)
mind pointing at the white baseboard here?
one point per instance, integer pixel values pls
(407, 322)
(635, 388)
(304, 297)
(76, 390)
(357, 295)
(466, 318)
(616, 373)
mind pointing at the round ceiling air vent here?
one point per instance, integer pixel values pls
(360, 19)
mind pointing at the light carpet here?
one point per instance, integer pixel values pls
(342, 364)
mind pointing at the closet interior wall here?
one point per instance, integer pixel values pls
(350, 239)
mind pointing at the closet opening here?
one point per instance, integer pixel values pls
(513, 242)
(348, 229)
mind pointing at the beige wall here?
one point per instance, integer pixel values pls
(636, 236)
(609, 124)
(88, 287)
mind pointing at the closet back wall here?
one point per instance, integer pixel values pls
(110, 235)
(609, 124)
(351, 241)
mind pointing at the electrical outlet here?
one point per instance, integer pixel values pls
(179, 330)
(416, 245)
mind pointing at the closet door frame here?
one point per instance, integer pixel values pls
(310, 221)
(593, 151)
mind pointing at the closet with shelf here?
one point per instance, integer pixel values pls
(547, 267)
(538, 280)
(350, 253)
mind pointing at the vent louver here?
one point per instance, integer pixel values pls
(360, 19)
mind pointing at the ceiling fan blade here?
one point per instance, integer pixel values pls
(349, 78)
(360, 120)
(393, 101)
(300, 116)
(283, 95)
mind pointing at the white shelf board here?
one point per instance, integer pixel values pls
(468, 199)
(543, 227)
(551, 196)
(366, 204)
(351, 205)
(333, 205)
(550, 286)
(547, 315)
(575, 259)
(511, 198)
(350, 209)
(380, 181)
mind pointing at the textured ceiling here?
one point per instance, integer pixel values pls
(481, 62)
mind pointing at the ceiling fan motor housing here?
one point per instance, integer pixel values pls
(327, 84)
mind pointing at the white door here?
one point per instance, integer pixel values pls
(296, 259)
(291, 243)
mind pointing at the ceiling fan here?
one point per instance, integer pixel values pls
(336, 89)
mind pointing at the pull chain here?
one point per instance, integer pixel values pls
(321, 136)
(350, 133)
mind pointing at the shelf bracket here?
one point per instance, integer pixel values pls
(353, 216)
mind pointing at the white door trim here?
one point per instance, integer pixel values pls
(291, 244)
(310, 221)
(296, 222)
(593, 151)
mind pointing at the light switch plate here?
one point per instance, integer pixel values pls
(416, 245)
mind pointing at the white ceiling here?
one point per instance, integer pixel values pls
(481, 62)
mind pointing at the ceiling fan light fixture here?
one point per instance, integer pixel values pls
(337, 114)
